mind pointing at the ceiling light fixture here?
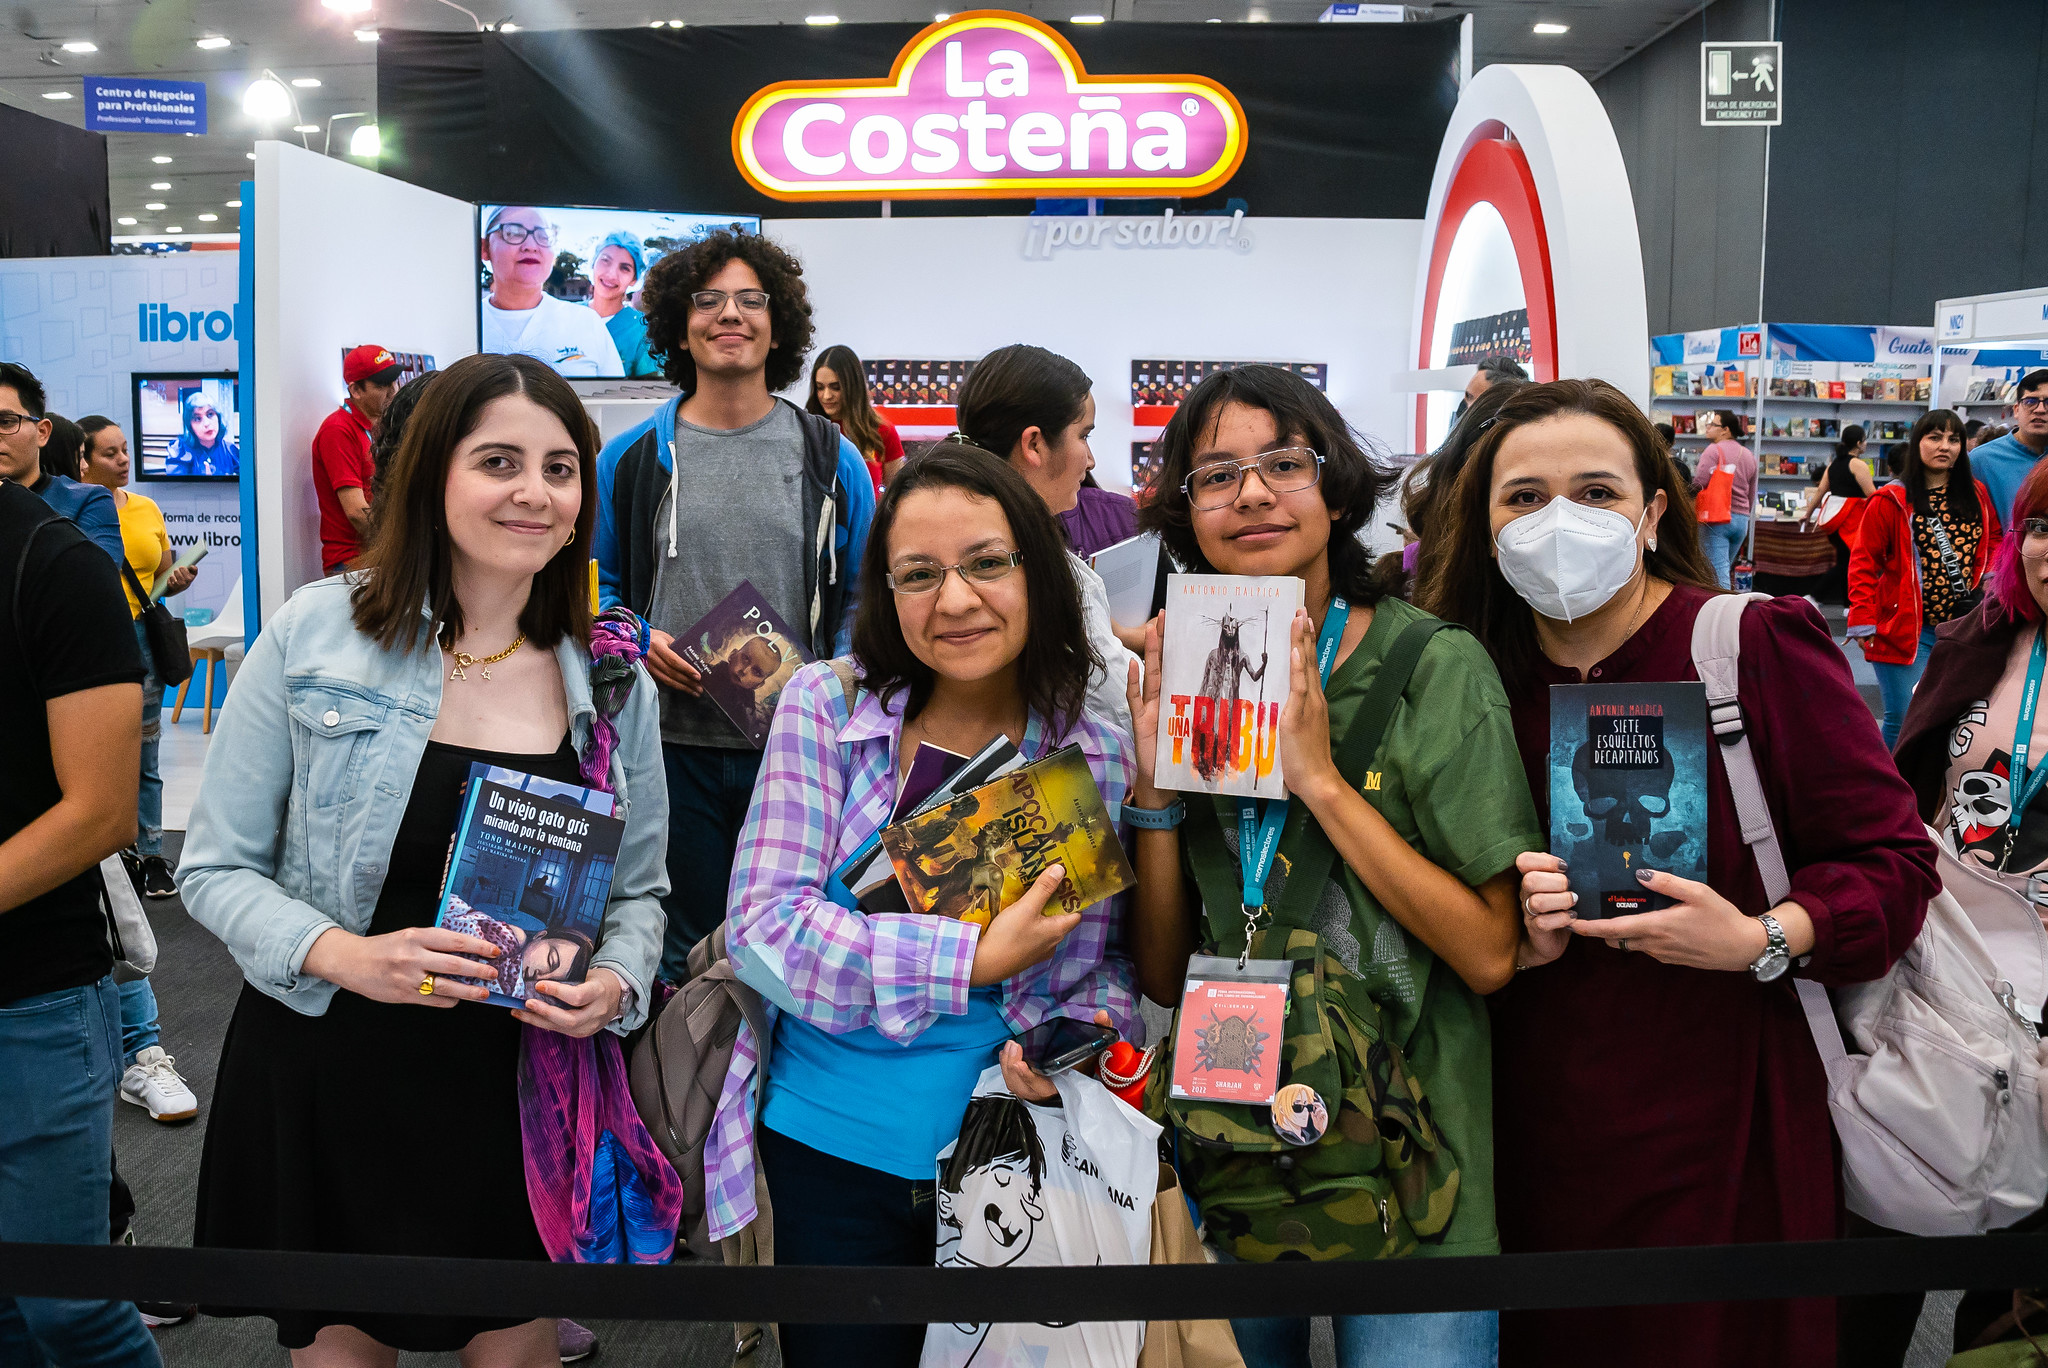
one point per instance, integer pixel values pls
(508, 27)
(1086, 19)
(366, 35)
(305, 128)
(941, 18)
(125, 222)
(174, 229)
(658, 23)
(82, 45)
(266, 100)
(675, 23)
(56, 94)
(306, 82)
(821, 20)
(213, 42)
(154, 206)
(161, 160)
(234, 204)
(159, 185)
(250, 155)
(209, 218)
(365, 142)
(348, 6)
(1550, 29)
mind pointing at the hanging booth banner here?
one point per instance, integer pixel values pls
(989, 105)
(1345, 120)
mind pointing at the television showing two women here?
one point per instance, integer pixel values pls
(530, 871)
(188, 427)
(563, 285)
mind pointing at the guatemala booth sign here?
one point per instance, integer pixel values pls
(993, 105)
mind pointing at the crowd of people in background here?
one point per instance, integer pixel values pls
(948, 600)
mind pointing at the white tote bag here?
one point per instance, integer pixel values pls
(1045, 1186)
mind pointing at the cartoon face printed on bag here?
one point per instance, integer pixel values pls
(989, 1187)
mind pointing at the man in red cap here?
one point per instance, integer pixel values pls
(341, 455)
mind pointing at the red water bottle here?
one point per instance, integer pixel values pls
(1123, 1070)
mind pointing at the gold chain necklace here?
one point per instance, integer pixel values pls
(463, 659)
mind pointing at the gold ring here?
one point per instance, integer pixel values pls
(427, 986)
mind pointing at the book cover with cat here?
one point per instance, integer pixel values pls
(1628, 790)
(1223, 680)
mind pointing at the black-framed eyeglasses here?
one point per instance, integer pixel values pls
(2031, 401)
(516, 233)
(925, 576)
(10, 423)
(1285, 470)
(713, 301)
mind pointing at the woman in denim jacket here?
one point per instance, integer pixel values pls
(346, 1116)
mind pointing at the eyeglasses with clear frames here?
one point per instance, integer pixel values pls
(713, 301)
(1286, 470)
(10, 423)
(515, 234)
(925, 576)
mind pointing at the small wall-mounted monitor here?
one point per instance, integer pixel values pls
(563, 284)
(188, 426)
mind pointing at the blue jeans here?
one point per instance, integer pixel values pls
(1721, 542)
(149, 799)
(1452, 1339)
(708, 792)
(140, 1027)
(59, 1053)
(1895, 685)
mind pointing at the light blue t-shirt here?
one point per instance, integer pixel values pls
(2003, 464)
(866, 1099)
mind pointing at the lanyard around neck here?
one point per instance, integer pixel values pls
(1260, 821)
(2024, 786)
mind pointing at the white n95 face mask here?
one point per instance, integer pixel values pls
(1568, 559)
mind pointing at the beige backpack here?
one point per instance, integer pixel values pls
(1939, 1107)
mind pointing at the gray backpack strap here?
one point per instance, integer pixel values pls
(1717, 655)
(849, 685)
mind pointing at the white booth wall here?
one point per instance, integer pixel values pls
(344, 256)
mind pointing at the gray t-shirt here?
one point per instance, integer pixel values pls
(740, 518)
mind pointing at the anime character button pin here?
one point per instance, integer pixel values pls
(1299, 1117)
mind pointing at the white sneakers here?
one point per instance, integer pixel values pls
(153, 1083)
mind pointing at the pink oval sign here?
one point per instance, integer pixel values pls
(989, 104)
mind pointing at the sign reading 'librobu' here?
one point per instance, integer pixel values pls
(989, 104)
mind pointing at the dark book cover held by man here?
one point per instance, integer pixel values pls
(975, 855)
(1628, 790)
(530, 871)
(746, 654)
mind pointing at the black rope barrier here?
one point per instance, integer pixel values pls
(692, 1291)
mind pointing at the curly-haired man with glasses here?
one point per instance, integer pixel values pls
(2003, 463)
(725, 483)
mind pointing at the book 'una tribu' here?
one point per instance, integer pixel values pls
(1223, 681)
(1628, 790)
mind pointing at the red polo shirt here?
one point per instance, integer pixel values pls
(341, 460)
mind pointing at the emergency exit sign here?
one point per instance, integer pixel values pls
(1742, 84)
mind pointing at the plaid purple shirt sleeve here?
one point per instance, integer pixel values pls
(812, 806)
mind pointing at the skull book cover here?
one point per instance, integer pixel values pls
(1223, 681)
(1227, 1042)
(975, 855)
(1628, 789)
(745, 653)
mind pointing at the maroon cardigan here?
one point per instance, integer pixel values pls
(1968, 657)
(1638, 1103)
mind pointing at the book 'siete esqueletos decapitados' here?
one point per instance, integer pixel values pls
(530, 870)
(977, 853)
(1224, 679)
(1628, 790)
(745, 653)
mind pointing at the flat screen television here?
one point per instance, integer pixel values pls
(188, 426)
(567, 290)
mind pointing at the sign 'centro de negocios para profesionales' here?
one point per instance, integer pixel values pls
(990, 105)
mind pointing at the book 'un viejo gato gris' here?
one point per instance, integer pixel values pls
(1223, 681)
(1628, 790)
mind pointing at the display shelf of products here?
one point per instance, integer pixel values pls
(1159, 386)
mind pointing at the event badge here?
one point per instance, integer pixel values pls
(1226, 1046)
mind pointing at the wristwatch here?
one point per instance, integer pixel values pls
(1777, 955)
(1156, 819)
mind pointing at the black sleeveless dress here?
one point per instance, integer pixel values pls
(374, 1129)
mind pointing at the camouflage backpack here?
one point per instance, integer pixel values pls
(1380, 1180)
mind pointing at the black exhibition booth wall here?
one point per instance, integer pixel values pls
(1345, 119)
(55, 197)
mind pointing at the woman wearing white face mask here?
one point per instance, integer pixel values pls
(1646, 1040)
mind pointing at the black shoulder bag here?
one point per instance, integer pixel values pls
(165, 632)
